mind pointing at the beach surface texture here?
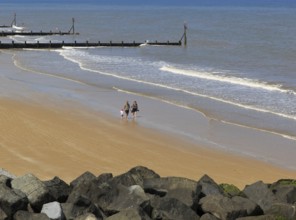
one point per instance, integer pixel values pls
(222, 106)
(50, 137)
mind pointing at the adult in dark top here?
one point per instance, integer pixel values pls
(126, 109)
(134, 109)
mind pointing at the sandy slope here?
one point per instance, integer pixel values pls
(61, 142)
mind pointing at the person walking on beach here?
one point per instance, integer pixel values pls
(134, 109)
(126, 109)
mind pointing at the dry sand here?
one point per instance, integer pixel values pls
(62, 142)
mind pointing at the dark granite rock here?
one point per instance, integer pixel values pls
(285, 190)
(130, 214)
(5, 180)
(85, 177)
(125, 197)
(261, 217)
(3, 215)
(147, 208)
(209, 186)
(171, 208)
(81, 207)
(135, 176)
(261, 194)
(12, 200)
(34, 189)
(286, 211)
(7, 174)
(156, 192)
(105, 177)
(58, 189)
(173, 187)
(83, 189)
(87, 216)
(229, 208)
(208, 216)
(25, 215)
(285, 194)
(90, 190)
(205, 186)
(111, 198)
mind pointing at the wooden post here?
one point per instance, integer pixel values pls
(14, 20)
(73, 26)
(185, 34)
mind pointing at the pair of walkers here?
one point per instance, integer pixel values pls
(127, 108)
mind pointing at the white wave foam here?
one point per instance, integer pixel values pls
(18, 65)
(30, 39)
(227, 79)
(82, 66)
(222, 121)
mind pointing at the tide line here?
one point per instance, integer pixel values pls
(293, 138)
(18, 65)
(227, 79)
(81, 65)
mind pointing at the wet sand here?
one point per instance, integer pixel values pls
(49, 141)
(52, 126)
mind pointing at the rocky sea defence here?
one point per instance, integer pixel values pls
(142, 194)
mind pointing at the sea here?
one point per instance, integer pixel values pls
(238, 67)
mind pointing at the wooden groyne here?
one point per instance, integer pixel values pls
(15, 30)
(55, 45)
(31, 33)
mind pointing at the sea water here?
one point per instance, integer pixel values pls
(238, 68)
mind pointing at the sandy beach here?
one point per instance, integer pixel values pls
(47, 132)
(64, 142)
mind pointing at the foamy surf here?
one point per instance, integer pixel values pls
(84, 60)
(227, 79)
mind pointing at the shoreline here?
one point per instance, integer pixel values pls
(108, 94)
(42, 134)
(52, 142)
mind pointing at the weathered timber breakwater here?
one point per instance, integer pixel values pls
(141, 194)
(31, 33)
(55, 45)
